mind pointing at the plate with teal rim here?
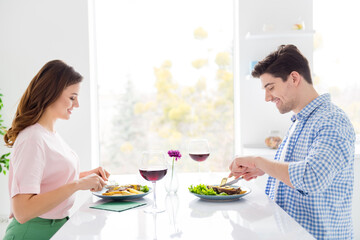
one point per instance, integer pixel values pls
(120, 198)
(222, 198)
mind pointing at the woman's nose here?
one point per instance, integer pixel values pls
(76, 103)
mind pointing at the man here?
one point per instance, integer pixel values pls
(311, 177)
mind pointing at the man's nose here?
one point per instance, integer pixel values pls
(268, 96)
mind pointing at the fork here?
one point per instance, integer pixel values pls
(224, 183)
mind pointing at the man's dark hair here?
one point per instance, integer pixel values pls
(282, 62)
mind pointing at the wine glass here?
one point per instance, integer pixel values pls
(199, 150)
(153, 167)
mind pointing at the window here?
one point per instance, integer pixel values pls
(164, 76)
(336, 51)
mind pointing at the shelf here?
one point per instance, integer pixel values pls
(266, 35)
(259, 151)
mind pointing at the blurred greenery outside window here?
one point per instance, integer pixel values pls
(336, 51)
(165, 76)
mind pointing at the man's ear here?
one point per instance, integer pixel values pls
(295, 78)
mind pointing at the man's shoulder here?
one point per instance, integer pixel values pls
(328, 111)
(329, 115)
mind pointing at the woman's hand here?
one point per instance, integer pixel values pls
(100, 171)
(92, 182)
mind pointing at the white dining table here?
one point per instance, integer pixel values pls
(254, 216)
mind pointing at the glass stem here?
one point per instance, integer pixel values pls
(154, 219)
(154, 204)
(199, 172)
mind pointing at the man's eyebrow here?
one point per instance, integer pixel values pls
(266, 85)
(74, 94)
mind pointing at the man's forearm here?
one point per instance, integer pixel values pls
(278, 170)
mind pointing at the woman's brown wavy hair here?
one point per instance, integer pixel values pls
(44, 89)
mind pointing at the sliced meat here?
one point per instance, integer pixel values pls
(227, 189)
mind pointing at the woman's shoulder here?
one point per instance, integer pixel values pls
(32, 133)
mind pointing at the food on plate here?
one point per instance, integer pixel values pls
(203, 189)
(124, 190)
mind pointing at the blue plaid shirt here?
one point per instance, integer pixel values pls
(321, 159)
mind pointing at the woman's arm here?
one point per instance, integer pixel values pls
(29, 206)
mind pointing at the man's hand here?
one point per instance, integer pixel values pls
(252, 167)
(252, 173)
(246, 167)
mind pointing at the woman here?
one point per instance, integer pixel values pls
(44, 171)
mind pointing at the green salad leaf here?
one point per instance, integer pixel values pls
(203, 190)
(144, 188)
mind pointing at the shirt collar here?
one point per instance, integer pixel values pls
(308, 109)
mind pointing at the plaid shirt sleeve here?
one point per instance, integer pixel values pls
(328, 154)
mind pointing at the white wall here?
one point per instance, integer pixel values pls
(278, 16)
(32, 33)
(356, 198)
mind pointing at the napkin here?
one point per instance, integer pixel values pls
(118, 206)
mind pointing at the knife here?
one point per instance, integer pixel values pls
(224, 183)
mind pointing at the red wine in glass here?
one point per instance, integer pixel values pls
(199, 151)
(199, 157)
(153, 175)
(153, 167)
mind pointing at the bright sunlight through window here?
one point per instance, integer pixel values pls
(164, 77)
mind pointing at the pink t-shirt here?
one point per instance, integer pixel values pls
(40, 162)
